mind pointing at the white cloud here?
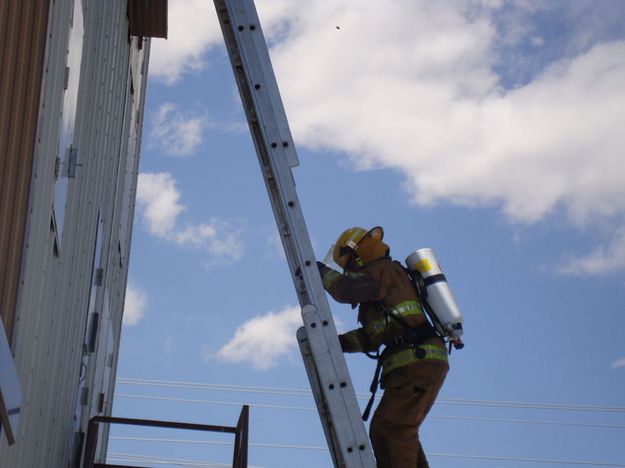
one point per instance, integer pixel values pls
(158, 202)
(263, 340)
(418, 87)
(135, 304)
(620, 362)
(443, 118)
(226, 243)
(192, 28)
(175, 132)
(603, 260)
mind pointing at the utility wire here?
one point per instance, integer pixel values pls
(528, 460)
(210, 442)
(114, 456)
(529, 421)
(308, 394)
(310, 408)
(204, 386)
(164, 461)
(216, 403)
(128, 457)
(545, 406)
(362, 396)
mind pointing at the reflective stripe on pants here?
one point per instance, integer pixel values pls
(408, 356)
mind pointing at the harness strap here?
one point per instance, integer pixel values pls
(373, 389)
(413, 337)
(400, 312)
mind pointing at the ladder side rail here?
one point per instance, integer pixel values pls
(253, 113)
(262, 104)
(254, 48)
(315, 384)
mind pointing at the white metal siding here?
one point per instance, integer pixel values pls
(52, 310)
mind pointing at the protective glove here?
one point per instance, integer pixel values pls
(322, 268)
(343, 342)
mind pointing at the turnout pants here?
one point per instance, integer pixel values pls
(409, 394)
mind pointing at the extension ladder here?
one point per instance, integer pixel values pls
(327, 371)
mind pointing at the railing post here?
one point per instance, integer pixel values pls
(91, 443)
(241, 439)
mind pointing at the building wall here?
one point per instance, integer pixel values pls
(22, 47)
(70, 298)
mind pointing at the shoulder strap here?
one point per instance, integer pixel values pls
(419, 286)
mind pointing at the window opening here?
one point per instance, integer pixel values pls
(67, 153)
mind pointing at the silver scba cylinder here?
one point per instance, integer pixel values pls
(439, 296)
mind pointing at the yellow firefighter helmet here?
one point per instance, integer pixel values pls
(361, 245)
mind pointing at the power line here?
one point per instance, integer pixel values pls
(164, 461)
(529, 421)
(310, 408)
(291, 392)
(362, 396)
(209, 442)
(545, 406)
(129, 457)
(205, 386)
(527, 460)
(216, 403)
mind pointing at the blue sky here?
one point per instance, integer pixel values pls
(489, 131)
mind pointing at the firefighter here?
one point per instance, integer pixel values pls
(412, 356)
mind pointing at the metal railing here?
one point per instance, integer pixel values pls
(239, 459)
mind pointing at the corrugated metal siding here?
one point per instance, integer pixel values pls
(54, 298)
(22, 45)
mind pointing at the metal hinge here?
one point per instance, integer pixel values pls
(66, 79)
(84, 396)
(72, 162)
(99, 276)
(95, 324)
(119, 252)
(100, 402)
(57, 168)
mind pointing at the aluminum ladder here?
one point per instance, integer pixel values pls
(327, 371)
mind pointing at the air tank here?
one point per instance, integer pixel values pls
(439, 296)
